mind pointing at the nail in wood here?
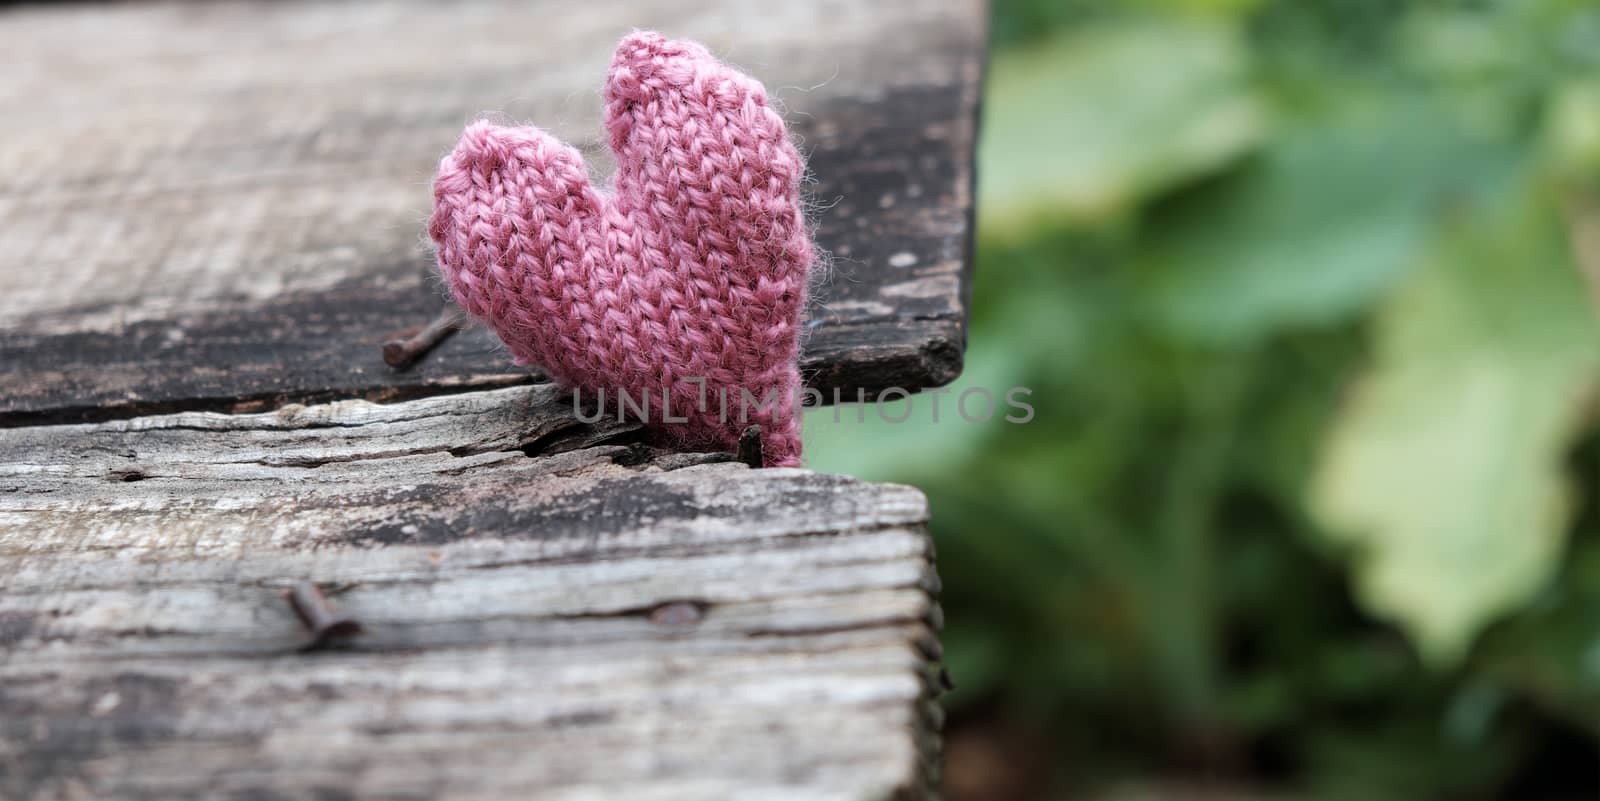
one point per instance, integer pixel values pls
(402, 351)
(313, 609)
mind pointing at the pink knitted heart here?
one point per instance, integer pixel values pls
(685, 280)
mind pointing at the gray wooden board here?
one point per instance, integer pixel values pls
(221, 205)
(552, 611)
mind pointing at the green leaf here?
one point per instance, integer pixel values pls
(1572, 132)
(1444, 471)
(1081, 126)
(1319, 227)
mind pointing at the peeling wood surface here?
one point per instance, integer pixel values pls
(552, 611)
(209, 205)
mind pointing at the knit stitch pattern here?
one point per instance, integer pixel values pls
(691, 265)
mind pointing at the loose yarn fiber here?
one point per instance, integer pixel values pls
(692, 265)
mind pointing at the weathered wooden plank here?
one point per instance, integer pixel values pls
(552, 610)
(209, 204)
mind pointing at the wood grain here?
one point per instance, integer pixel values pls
(209, 205)
(552, 611)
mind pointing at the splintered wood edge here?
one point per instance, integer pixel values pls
(550, 610)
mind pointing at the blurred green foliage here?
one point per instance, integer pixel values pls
(1311, 496)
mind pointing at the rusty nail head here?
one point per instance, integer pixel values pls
(313, 609)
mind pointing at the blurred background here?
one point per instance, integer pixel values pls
(1310, 504)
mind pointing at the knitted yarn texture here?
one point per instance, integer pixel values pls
(682, 284)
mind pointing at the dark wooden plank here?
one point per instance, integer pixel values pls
(551, 611)
(213, 204)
